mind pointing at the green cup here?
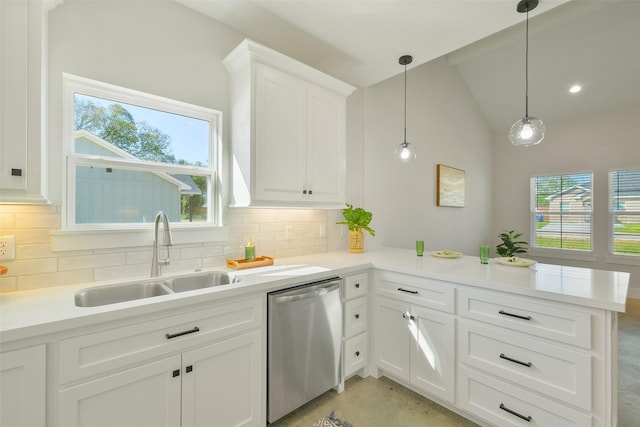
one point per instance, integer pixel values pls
(484, 254)
(419, 247)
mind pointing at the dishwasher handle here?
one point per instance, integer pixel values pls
(307, 292)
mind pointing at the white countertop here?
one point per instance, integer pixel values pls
(42, 311)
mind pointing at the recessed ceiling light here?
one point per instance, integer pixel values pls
(575, 88)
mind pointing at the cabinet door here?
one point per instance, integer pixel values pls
(280, 136)
(325, 146)
(23, 387)
(223, 383)
(433, 356)
(147, 396)
(393, 338)
(21, 53)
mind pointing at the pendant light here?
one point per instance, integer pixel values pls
(405, 152)
(528, 130)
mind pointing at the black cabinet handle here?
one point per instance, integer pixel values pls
(512, 412)
(310, 191)
(189, 368)
(527, 364)
(357, 316)
(357, 354)
(504, 313)
(304, 191)
(407, 291)
(411, 317)
(176, 373)
(179, 334)
(357, 285)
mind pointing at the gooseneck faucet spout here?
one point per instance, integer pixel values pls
(156, 262)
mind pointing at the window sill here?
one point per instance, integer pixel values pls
(563, 254)
(74, 240)
(623, 259)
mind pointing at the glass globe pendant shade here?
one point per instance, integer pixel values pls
(406, 152)
(526, 132)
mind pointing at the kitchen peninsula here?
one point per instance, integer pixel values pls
(433, 325)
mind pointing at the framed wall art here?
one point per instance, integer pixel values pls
(451, 186)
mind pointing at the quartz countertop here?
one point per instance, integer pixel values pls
(41, 311)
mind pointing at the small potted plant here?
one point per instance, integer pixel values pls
(356, 219)
(510, 245)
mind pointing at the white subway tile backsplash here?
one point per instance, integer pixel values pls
(37, 266)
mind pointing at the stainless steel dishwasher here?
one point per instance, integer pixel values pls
(304, 344)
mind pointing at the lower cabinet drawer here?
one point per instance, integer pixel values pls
(554, 371)
(354, 354)
(527, 316)
(113, 349)
(355, 317)
(502, 404)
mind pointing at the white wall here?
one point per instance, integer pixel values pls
(596, 144)
(447, 127)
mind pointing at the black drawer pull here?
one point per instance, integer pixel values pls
(357, 316)
(357, 285)
(527, 364)
(189, 368)
(407, 291)
(512, 412)
(357, 354)
(179, 334)
(175, 373)
(514, 315)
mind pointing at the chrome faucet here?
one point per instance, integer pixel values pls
(156, 262)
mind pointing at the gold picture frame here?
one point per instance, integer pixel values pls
(451, 187)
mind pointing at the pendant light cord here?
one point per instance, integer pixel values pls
(526, 70)
(405, 103)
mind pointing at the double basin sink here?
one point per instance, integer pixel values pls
(111, 294)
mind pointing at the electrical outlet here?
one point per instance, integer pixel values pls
(7, 248)
(288, 232)
(323, 230)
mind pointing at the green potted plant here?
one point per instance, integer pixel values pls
(510, 245)
(356, 220)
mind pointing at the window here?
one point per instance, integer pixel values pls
(130, 154)
(561, 211)
(624, 212)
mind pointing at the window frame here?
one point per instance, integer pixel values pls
(568, 253)
(74, 84)
(612, 256)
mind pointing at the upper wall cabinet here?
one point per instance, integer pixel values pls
(287, 131)
(22, 49)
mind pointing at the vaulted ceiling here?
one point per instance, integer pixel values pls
(594, 43)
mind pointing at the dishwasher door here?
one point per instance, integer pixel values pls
(304, 345)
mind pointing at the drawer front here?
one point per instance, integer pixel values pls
(551, 370)
(100, 352)
(417, 290)
(528, 316)
(502, 404)
(355, 317)
(356, 286)
(355, 354)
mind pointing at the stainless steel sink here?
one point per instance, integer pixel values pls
(200, 281)
(111, 294)
(103, 295)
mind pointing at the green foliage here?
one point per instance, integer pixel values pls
(357, 219)
(117, 126)
(510, 244)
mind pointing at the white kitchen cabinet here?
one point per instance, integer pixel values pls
(181, 370)
(521, 359)
(22, 59)
(355, 311)
(416, 345)
(23, 387)
(287, 129)
(145, 396)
